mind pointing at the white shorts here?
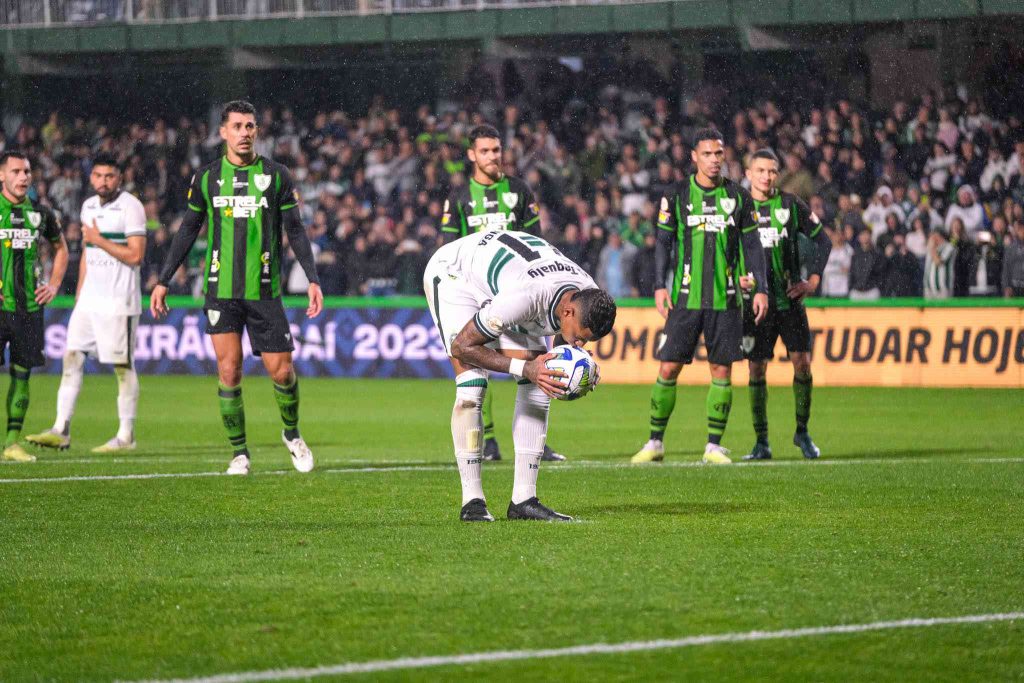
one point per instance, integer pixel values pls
(453, 302)
(111, 338)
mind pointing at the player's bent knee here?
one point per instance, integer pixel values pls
(74, 361)
(801, 363)
(670, 371)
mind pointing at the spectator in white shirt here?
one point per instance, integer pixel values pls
(967, 210)
(878, 210)
(835, 281)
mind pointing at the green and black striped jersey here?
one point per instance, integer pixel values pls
(707, 226)
(21, 227)
(506, 205)
(781, 219)
(244, 207)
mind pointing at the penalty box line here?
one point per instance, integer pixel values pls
(579, 465)
(411, 663)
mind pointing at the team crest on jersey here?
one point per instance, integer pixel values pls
(509, 199)
(262, 181)
(782, 215)
(728, 204)
(34, 218)
(214, 316)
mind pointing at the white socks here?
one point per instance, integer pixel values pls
(127, 402)
(67, 395)
(467, 431)
(529, 432)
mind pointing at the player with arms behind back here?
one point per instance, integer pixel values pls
(22, 291)
(108, 305)
(248, 201)
(709, 223)
(781, 217)
(494, 296)
(490, 201)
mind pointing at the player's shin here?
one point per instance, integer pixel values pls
(529, 431)
(127, 402)
(470, 388)
(17, 402)
(719, 403)
(802, 386)
(287, 396)
(663, 402)
(759, 408)
(232, 414)
(67, 394)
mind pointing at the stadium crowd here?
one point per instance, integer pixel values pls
(925, 198)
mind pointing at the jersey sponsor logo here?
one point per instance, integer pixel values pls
(244, 206)
(17, 238)
(472, 205)
(265, 261)
(490, 220)
(728, 204)
(782, 215)
(262, 181)
(239, 184)
(34, 218)
(712, 223)
(215, 261)
(541, 271)
(509, 199)
(220, 183)
(214, 316)
(770, 237)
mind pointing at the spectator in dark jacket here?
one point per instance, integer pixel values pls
(643, 268)
(903, 275)
(867, 268)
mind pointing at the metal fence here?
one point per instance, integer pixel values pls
(27, 13)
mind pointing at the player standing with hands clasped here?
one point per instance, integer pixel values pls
(709, 222)
(248, 201)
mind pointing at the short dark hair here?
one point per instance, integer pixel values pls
(483, 131)
(12, 154)
(765, 153)
(237, 107)
(597, 311)
(106, 160)
(706, 134)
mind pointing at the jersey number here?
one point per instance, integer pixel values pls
(518, 247)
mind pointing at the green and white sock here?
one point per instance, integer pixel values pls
(663, 402)
(287, 396)
(232, 414)
(719, 403)
(17, 402)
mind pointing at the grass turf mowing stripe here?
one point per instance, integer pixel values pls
(409, 663)
(583, 464)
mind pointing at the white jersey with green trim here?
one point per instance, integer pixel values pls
(524, 275)
(112, 287)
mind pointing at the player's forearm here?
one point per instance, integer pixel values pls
(666, 241)
(823, 247)
(180, 245)
(753, 254)
(60, 262)
(124, 253)
(480, 357)
(299, 242)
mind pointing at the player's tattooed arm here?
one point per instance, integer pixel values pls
(469, 348)
(182, 243)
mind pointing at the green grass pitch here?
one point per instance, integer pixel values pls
(914, 511)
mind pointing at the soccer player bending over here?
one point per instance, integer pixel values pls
(108, 305)
(494, 296)
(22, 293)
(248, 201)
(781, 217)
(709, 223)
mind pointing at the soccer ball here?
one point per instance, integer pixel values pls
(581, 372)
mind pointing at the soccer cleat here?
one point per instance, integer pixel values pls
(51, 438)
(803, 441)
(714, 454)
(550, 455)
(302, 457)
(653, 451)
(15, 453)
(239, 465)
(115, 445)
(761, 451)
(476, 511)
(531, 508)
(491, 450)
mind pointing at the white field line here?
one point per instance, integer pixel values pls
(582, 464)
(409, 663)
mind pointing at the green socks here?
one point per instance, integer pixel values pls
(232, 413)
(663, 402)
(288, 403)
(802, 385)
(759, 408)
(17, 402)
(488, 417)
(719, 404)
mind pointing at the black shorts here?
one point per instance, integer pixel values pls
(723, 332)
(23, 333)
(265, 321)
(759, 340)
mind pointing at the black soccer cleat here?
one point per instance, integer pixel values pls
(531, 508)
(802, 440)
(550, 455)
(476, 511)
(760, 451)
(491, 450)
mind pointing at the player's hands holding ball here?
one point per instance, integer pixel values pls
(548, 380)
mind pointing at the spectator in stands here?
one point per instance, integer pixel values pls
(903, 274)
(938, 269)
(881, 207)
(615, 266)
(1013, 263)
(867, 268)
(796, 178)
(643, 279)
(964, 261)
(939, 166)
(835, 281)
(968, 211)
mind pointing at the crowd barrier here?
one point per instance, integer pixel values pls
(969, 343)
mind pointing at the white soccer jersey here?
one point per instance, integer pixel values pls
(110, 286)
(525, 278)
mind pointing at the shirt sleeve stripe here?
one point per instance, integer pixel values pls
(483, 330)
(531, 221)
(455, 230)
(195, 208)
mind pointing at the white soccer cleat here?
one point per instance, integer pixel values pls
(714, 454)
(239, 465)
(653, 451)
(302, 457)
(115, 445)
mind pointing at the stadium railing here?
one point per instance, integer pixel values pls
(46, 13)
